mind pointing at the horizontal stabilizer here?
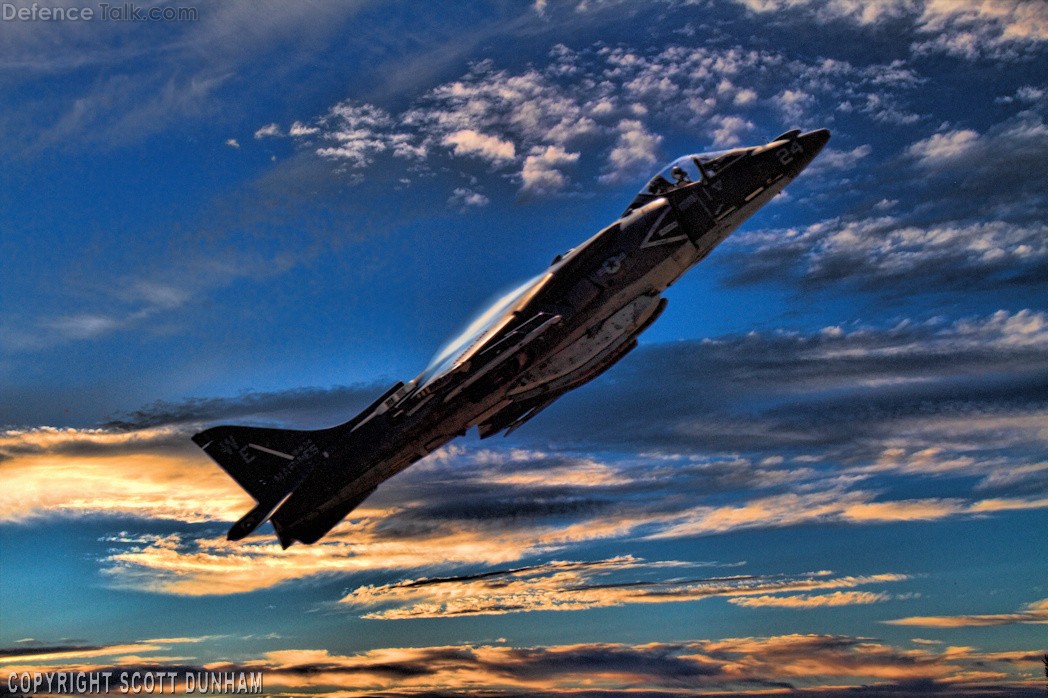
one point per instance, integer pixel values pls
(253, 519)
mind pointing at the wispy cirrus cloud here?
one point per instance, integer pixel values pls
(150, 76)
(371, 539)
(37, 653)
(1034, 612)
(969, 29)
(834, 505)
(575, 586)
(142, 301)
(837, 598)
(420, 536)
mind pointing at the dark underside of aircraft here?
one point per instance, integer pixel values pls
(559, 330)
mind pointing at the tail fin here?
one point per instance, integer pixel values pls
(268, 463)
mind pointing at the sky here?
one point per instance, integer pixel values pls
(824, 470)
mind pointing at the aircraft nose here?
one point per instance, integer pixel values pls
(813, 140)
(810, 144)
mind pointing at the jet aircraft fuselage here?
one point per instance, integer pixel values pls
(554, 333)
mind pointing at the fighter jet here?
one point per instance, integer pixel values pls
(552, 334)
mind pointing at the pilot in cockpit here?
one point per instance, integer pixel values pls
(680, 175)
(659, 185)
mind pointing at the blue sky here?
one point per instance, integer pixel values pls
(824, 468)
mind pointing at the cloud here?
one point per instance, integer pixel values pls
(998, 167)
(69, 472)
(730, 130)
(851, 387)
(836, 409)
(829, 506)
(793, 104)
(372, 539)
(1026, 94)
(574, 586)
(1012, 143)
(300, 130)
(1017, 19)
(118, 108)
(1035, 612)
(268, 131)
(466, 198)
(295, 407)
(785, 664)
(837, 598)
(423, 534)
(834, 160)
(232, 143)
(542, 173)
(944, 147)
(994, 173)
(470, 142)
(535, 122)
(887, 255)
(360, 131)
(153, 299)
(970, 29)
(61, 329)
(634, 150)
(117, 83)
(37, 653)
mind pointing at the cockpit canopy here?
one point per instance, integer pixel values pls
(686, 170)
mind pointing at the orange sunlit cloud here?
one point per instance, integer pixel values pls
(833, 505)
(77, 472)
(212, 565)
(837, 598)
(66, 654)
(202, 566)
(1036, 612)
(37, 656)
(135, 474)
(747, 665)
(572, 586)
